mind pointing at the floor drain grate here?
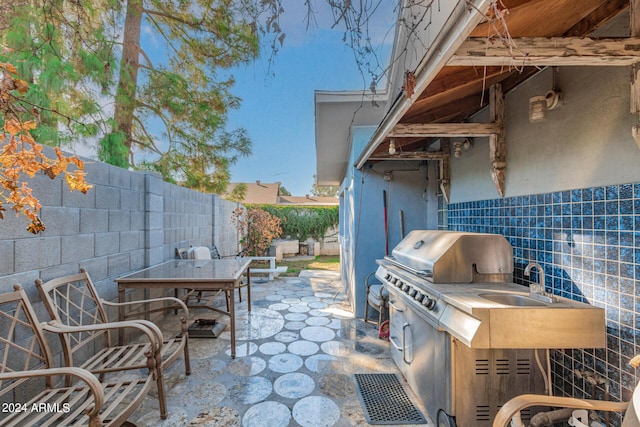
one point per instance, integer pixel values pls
(385, 401)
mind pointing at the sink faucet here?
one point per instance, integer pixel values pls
(536, 288)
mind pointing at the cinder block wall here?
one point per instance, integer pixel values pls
(129, 220)
(225, 233)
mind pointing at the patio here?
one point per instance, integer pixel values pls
(296, 355)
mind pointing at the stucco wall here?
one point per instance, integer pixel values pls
(585, 142)
(409, 188)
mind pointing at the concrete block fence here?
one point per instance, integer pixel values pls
(128, 221)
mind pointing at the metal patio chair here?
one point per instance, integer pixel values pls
(27, 376)
(203, 252)
(377, 298)
(509, 414)
(80, 319)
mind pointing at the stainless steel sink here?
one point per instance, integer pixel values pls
(513, 299)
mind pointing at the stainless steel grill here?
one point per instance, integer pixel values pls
(441, 348)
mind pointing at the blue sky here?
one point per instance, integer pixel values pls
(278, 110)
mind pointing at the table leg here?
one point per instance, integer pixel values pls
(232, 316)
(248, 290)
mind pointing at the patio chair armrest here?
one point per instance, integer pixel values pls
(369, 276)
(514, 406)
(82, 374)
(174, 300)
(151, 331)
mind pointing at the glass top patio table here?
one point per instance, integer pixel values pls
(195, 275)
(189, 271)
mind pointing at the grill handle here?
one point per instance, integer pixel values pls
(424, 273)
(395, 307)
(404, 342)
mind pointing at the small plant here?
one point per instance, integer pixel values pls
(21, 156)
(258, 227)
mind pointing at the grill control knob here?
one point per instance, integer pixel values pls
(413, 292)
(405, 288)
(429, 303)
(399, 284)
(418, 297)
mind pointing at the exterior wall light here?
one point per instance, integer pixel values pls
(460, 146)
(539, 105)
(392, 146)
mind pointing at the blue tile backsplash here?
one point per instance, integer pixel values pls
(588, 242)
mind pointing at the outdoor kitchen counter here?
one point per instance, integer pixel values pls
(502, 315)
(467, 296)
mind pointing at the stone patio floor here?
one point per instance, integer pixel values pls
(297, 351)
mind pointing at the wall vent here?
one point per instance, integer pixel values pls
(483, 413)
(523, 366)
(482, 367)
(502, 366)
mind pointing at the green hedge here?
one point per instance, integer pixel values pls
(302, 222)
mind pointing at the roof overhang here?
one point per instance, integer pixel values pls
(473, 53)
(336, 112)
(465, 17)
(482, 49)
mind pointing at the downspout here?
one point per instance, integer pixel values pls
(462, 21)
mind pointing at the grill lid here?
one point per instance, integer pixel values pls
(451, 256)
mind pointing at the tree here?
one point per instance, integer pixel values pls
(238, 193)
(21, 156)
(258, 227)
(60, 48)
(283, 191)
(183, 91)
(88, 60)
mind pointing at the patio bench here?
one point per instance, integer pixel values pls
(28, 392)
(272, 271)
(80, 320)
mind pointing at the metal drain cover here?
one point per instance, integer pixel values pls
(385, 401)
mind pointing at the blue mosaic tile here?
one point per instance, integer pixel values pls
(588, 241)
(626, 191)
(626, 223)
(612, 192)
(587, 222)
(576, 196)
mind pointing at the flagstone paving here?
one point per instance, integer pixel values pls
(296, 354)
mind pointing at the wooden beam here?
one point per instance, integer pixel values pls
(497, 144)
(412, 155)
(445, 170)
(596, 17)
(425, 130)
(634, 14)
(549, 51)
